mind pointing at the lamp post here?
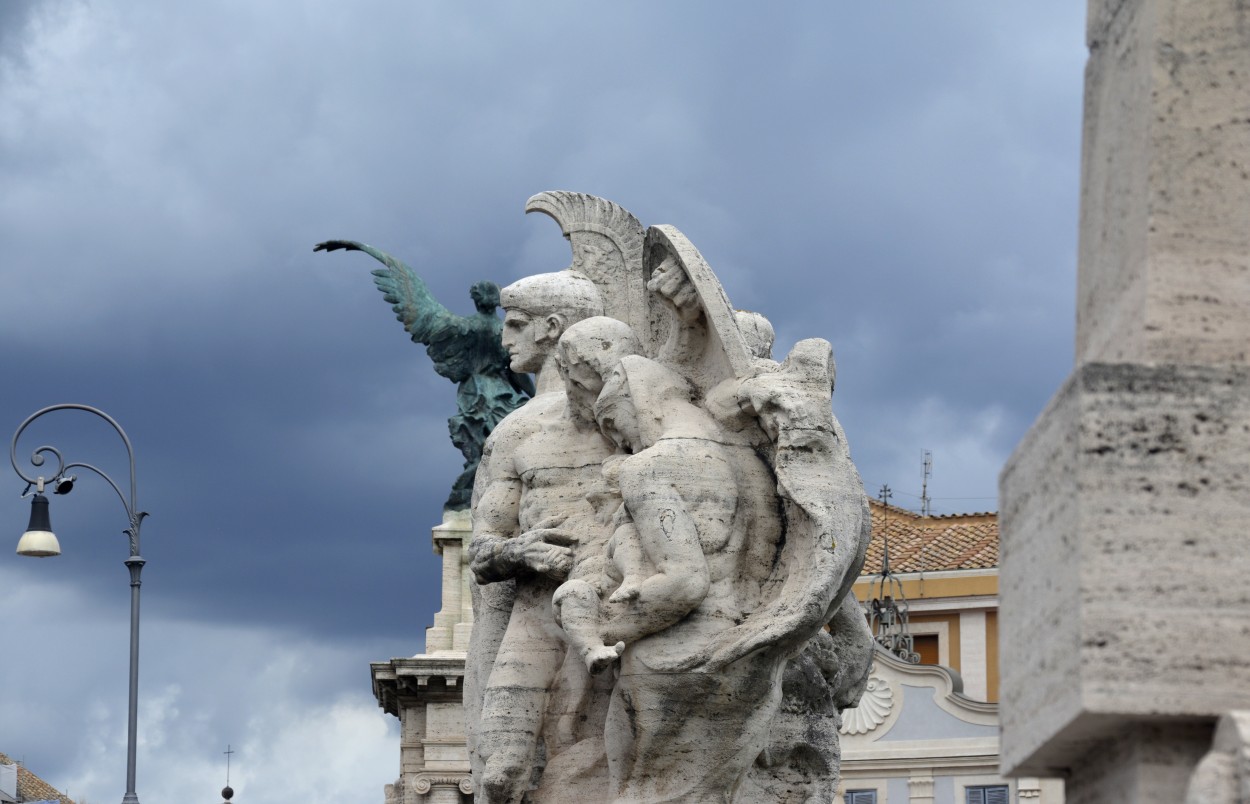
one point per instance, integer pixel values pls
(39, 541)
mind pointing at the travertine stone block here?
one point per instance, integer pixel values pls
(1165, 235)
(1124, 621)
(1126, 510)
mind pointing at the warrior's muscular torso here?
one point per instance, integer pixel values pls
(537, 470)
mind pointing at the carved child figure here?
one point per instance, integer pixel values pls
(656, 552)
(577, 602)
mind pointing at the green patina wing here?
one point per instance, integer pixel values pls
(465, 349)
(422, 315)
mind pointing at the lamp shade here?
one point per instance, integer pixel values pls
(39, 541)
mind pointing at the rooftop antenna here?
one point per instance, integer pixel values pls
(227, 792)
(887, 605)
(924, 485)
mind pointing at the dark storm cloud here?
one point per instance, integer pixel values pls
(15, 16)
(901, 181)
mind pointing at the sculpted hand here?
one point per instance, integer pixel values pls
(546, 549)
(670, 283)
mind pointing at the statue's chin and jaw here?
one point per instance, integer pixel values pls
(518, 338)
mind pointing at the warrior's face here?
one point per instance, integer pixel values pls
(529, 339)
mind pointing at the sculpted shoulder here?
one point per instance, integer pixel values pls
(525, 421)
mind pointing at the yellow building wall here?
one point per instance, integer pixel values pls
(938, 588)
(916, 588)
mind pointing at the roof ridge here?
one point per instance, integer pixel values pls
(933, 544)
(30, 787)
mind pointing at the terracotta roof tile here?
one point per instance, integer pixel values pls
(31, 788)
(931, 543)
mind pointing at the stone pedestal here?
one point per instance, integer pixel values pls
(1124, 517)
(1123, 621)
(454, 623)
(426, 691)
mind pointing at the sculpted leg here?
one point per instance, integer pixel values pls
(695, 735)
(679, 582)
(516, 695)
(492, 607)
(625, 549)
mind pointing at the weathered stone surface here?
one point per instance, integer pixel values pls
(1124, 521)
(659, 536)
(1145, 762)
(453, 623)
(1164, 272)
(424, 692)
(1123, 624)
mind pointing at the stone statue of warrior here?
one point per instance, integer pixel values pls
(465, 349)
(659, 545)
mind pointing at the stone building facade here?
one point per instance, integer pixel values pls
(426, 691)
(928, 733)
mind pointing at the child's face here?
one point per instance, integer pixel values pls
(582, 385)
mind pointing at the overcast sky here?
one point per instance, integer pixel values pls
(899, 178)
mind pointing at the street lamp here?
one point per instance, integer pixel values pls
(40, 541)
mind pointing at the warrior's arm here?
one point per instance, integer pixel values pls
(492, 550)
(687, 336)
(494, 556)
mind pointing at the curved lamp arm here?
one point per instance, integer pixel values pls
(134, 564)
(133, 514)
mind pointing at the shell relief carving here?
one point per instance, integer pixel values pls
(874, 707)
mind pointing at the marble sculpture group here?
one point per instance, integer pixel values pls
(664, 540)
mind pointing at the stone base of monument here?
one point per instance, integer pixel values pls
(426, 691)
(454, 623)
(1126, 510)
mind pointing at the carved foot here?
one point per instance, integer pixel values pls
(501, 780)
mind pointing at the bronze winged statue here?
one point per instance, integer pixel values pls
(466, 349)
